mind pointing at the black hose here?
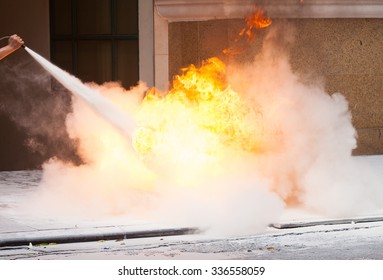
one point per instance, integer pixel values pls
(3, 38)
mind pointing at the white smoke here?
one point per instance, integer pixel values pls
(310, 162)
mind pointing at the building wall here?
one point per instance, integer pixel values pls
(32, 117)
(346, 53)
(30, 20)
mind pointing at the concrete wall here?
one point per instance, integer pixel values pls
(347, 53)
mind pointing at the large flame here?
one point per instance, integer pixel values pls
(202, 121)
(201, 114)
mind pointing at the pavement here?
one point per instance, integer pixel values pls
(298, 235)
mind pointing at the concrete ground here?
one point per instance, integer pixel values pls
(26, 236)
(323, 242)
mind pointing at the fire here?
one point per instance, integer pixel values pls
(201, 117)
(197, 129)
(254, 21)
(232, 51)
(199, 120)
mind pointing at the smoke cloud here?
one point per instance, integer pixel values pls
(304, 157)
(310, 135)
(27, 99)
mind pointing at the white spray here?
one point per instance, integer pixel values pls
(122, 121)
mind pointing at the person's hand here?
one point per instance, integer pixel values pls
(15, 42)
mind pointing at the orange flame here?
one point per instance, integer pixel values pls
(230, 51)
(254, 21)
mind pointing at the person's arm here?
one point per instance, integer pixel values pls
(14, 42)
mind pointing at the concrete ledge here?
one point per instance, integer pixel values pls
(326, 222)
(198, 10)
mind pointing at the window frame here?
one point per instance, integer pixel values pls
(75, 37)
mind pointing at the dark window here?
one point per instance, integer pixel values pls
(96, 40)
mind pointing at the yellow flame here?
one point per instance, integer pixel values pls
(200, 118)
